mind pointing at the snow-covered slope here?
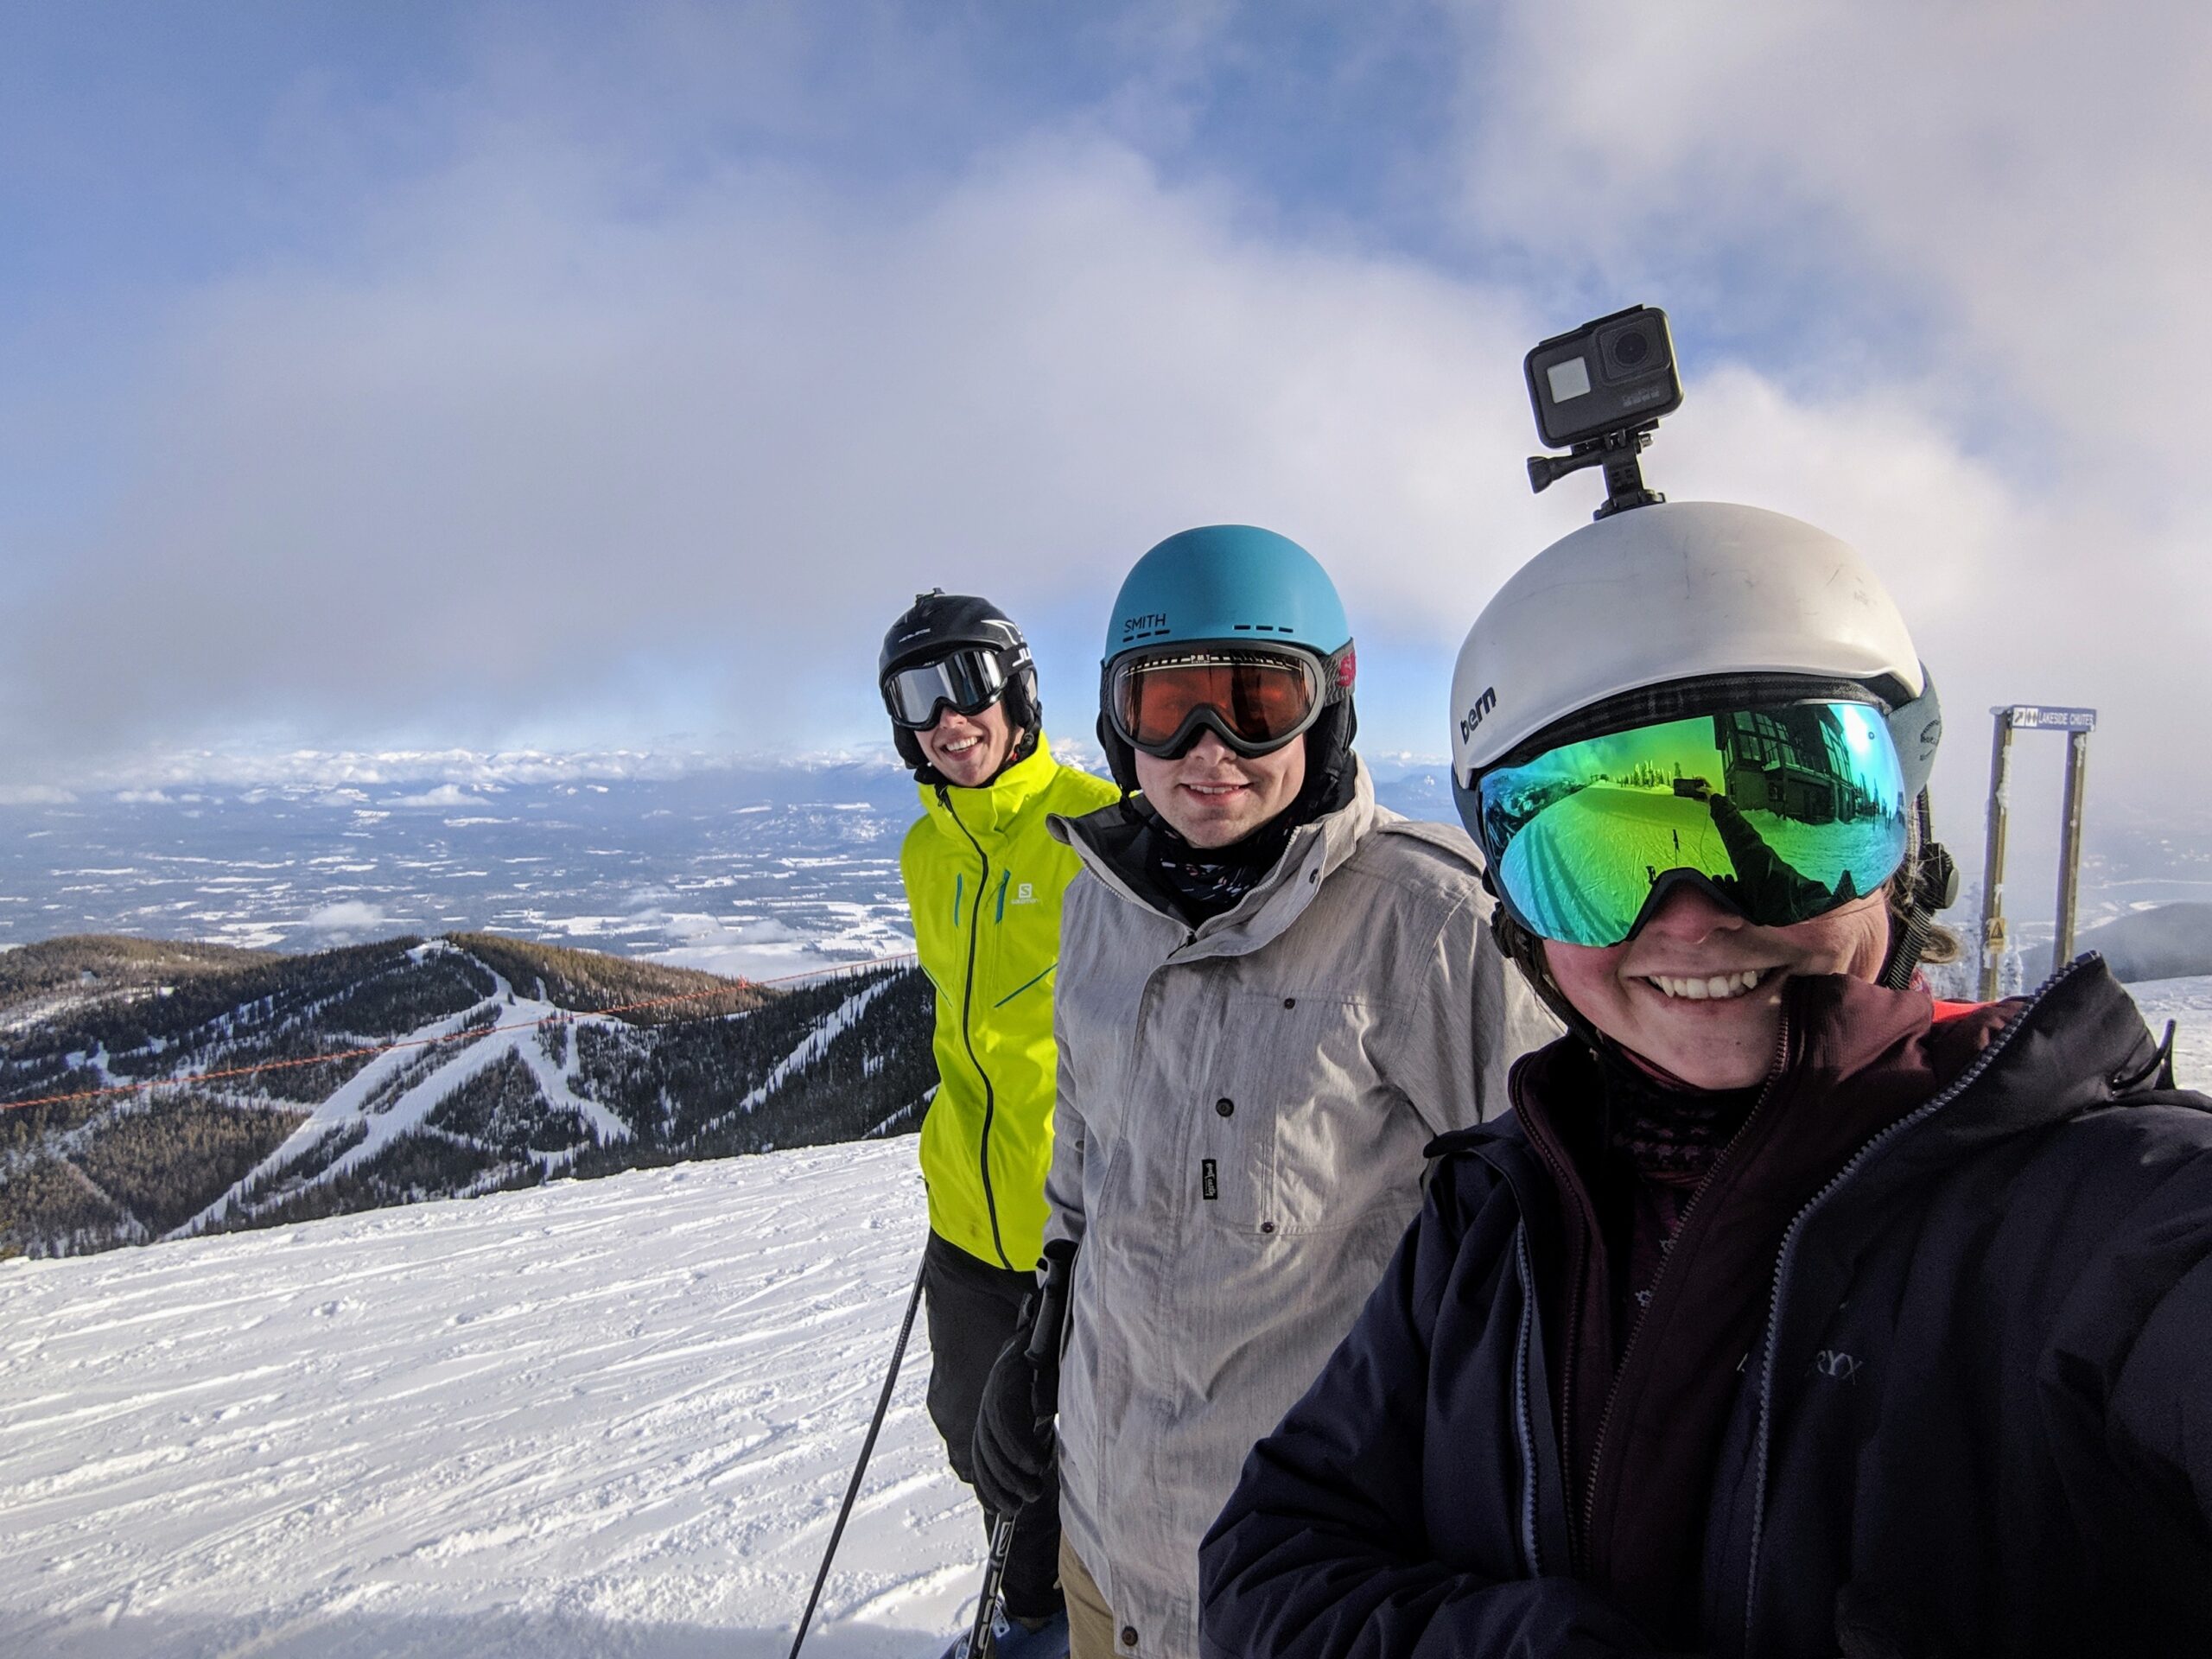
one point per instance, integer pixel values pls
(604, 1417)
(2188, 1003)
(594, 1418)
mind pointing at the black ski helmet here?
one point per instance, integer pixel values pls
(938, 623)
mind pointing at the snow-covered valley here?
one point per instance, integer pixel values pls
(603, 1417)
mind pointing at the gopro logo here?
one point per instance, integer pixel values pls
(1473, 717)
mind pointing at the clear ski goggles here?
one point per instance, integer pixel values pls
(1785, 812)
(1255, 700)
(966, 681)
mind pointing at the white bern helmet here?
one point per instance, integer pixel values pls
(1663, 611)
(1674, 594)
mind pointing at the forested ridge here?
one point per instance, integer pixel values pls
(491, 1063)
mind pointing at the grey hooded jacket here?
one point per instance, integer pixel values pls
(1239, 1131)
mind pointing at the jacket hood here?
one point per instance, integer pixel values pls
(992, 808)
(1104, 841)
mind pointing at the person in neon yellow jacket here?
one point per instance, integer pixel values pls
(983, 880)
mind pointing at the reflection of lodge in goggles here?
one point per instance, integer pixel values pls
(1255, 702)
(967, 681)
(1785, 812)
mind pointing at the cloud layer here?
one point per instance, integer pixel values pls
(609, 422)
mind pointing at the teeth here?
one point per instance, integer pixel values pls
(1721, 988)
(962, 746)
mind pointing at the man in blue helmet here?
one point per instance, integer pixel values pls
(1274, 993)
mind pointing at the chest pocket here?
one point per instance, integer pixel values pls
(1289, 1133)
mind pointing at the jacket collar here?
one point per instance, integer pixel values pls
(2077, 1043)
(992, 810)
(1104, 839)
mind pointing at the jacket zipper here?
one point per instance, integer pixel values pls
(1682, 1223)
(967, 1037)
(1524, 1425)
(1576, 1257)
(1790, 1235)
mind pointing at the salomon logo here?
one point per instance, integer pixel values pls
(1473, 717)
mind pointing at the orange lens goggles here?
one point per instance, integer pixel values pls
(1253, 702)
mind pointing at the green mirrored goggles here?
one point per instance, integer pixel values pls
(1785, 812)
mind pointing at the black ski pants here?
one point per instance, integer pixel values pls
(973, 1307)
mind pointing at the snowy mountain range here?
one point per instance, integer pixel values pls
(153, 1091)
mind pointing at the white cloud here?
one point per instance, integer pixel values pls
(445, 795)
(2008, 199)
(347, 916)
(545, 441)
(559, 433)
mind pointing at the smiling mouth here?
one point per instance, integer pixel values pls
(953, 750)
(1214, 792)
(1715, 988)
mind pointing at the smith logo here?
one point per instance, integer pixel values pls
(1209, 1179)
(1473, 717)
(1150, 622)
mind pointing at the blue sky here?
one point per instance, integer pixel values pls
(564, 375)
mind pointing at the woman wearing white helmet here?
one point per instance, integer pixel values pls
(1792, 1312)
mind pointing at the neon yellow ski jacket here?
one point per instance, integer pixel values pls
(983, 880)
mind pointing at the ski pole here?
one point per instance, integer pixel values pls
(1044, 1348)
(867, 1445)
(983, 1638)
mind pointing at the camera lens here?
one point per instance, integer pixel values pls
(1633, 351)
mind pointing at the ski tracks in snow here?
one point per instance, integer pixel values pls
(606, 1417)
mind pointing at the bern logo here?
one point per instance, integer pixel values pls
(1473, 717)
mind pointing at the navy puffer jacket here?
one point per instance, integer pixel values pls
(1978, 1420)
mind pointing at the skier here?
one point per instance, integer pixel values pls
(1274, 993)
(983, 881)
(1791, 1312)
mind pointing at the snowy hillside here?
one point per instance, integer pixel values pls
(594, 1418)
(150, 1089)
(2188, 1003)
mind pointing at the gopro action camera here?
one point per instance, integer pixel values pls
(1599, 392)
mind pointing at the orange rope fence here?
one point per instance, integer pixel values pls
(562, 1018)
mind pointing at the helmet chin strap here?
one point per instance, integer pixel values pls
(1934, 886)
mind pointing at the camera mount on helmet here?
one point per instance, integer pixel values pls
(1598, 392)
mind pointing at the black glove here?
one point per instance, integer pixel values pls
(1013, 1446)
(1014, 1443)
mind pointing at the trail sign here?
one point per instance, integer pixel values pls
(2028, 716)
(2077, 724)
